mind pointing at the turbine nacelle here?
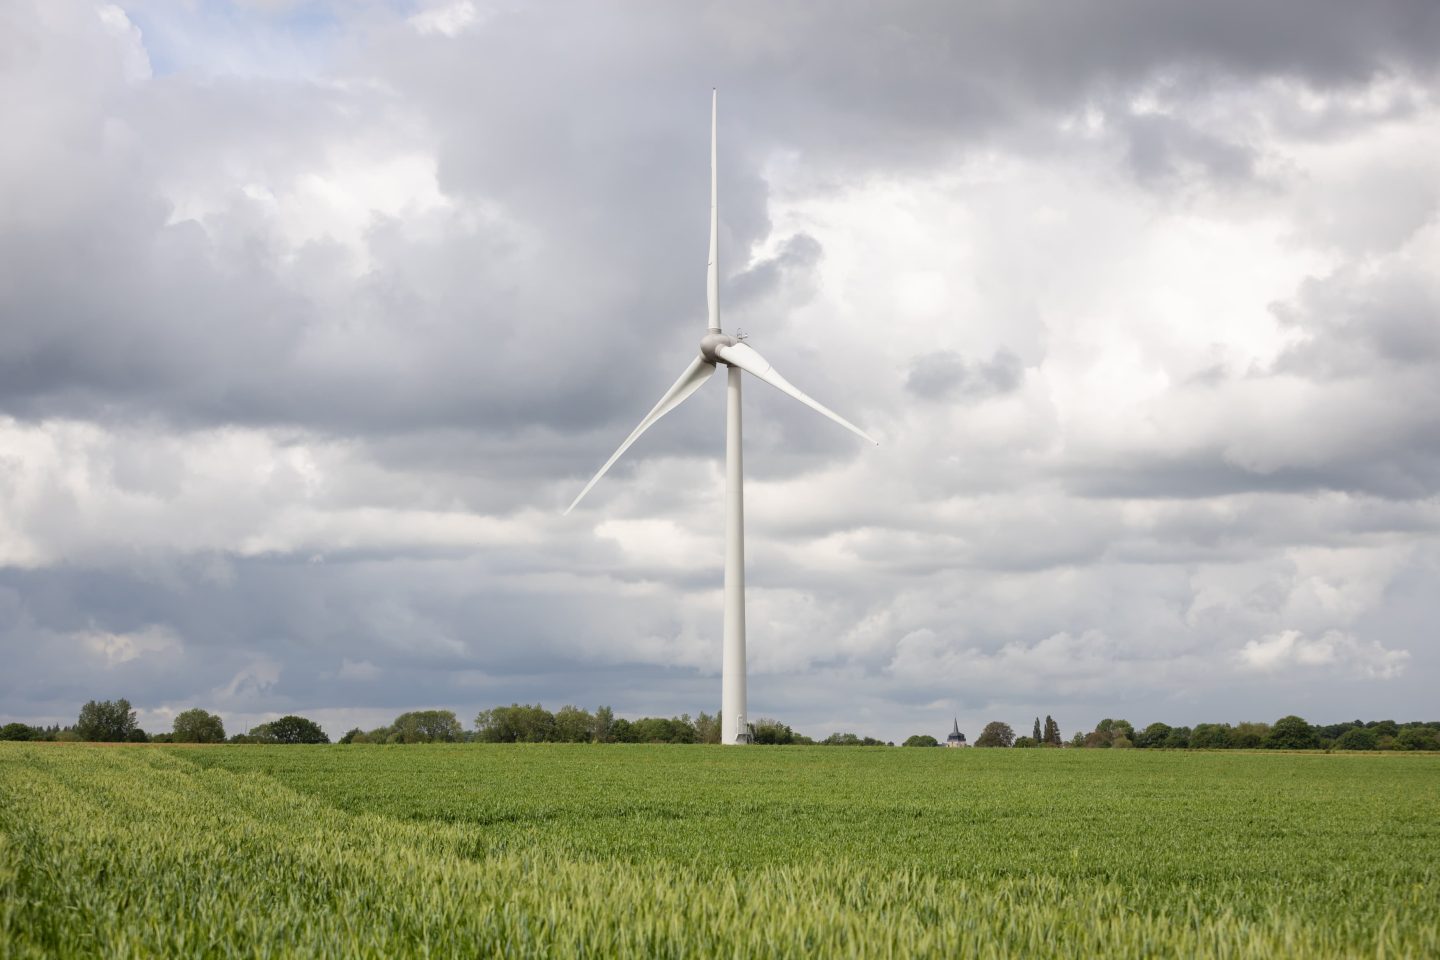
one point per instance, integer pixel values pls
(712, 342)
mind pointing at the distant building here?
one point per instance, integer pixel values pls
(956, 738)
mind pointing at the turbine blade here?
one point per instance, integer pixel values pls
(712, 272)
(746, 358)
(696, 374)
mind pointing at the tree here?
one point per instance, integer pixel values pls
(574, 725)
(1178, 739)
(1051, 734)
(1037, 736)
(1021, 742)
(1107, 731)
(679, 729)
(1334, 731)
(1292, 733)
(767, 731)
(1417, 737)
(850, 740)
(1357, 738)
(288, 729)
(996, 734)
(921, 740)
(137, 736)
(1251, 736)
(106, 721)
(604, 719)
(18, 731)
(707, 728)
(426, 726)
(1154, 735)
(1210, 736)
(517, 723)
(354, 735)
(1384, 728)
(198, 726)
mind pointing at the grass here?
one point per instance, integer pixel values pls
(700, 851)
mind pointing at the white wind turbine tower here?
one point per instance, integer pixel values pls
(718, 348)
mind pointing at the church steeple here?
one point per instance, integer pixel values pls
(956, 738)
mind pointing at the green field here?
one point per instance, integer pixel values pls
(676, 851)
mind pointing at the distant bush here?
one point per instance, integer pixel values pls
(772, 732)
(851, 740)
(19, 731)
(1357, 738)
(1418, 738)
(288, 729)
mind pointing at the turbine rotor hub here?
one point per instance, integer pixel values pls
(712, 342)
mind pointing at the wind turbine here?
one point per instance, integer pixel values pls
(717, 348)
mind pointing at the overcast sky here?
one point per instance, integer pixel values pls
(314, 316)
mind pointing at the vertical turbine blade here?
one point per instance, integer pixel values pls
(746, 358)
(696, 374)
(712, 277)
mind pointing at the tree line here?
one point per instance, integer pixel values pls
(532, 723)
(1287, 733)
(114, 721)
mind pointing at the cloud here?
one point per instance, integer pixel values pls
(449, 20)
(1290, 649)
(946, 375)
(249, 682)
(123, 647)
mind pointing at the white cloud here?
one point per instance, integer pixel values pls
(117, 648)
(449, 20)
(1343, 652)
(135, 62)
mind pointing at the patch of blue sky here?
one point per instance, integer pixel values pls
(226, 37)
